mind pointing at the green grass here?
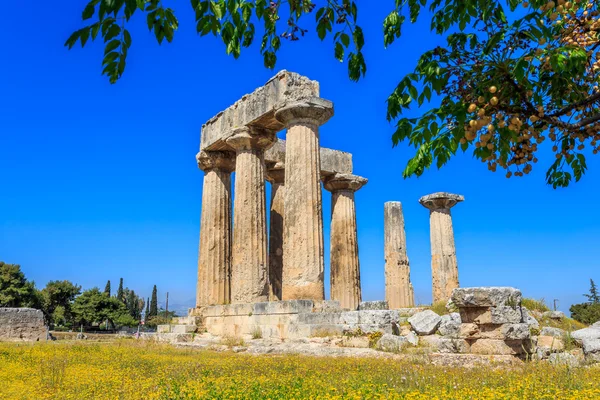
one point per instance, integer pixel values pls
(534, 305)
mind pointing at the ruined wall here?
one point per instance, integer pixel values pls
(22, 324)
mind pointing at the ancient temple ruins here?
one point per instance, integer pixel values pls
(242, 260)
(244, 264)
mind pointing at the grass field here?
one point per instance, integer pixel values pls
(134, 370)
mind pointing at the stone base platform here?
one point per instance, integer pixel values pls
(295, 319)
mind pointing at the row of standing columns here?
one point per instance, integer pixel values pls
(239, 266)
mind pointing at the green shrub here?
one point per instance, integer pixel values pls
(586, 313)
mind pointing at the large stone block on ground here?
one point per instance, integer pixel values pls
(486, 297)
(22, 325)
(258, 108)
(529, 319)
(591, 349)
(491, 331)
(554, 314)
(425, 322)
(374, 305)
(491, 315)
(450, 325)
(564, 359)
(586, 333)
(549, 344)
(370, 317)
(183, 328)
(441, 344)
(499, 347)
(554, 332)
(392, 343)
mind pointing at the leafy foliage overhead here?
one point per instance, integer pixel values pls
(514, 77)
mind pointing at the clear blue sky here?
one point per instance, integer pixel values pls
(99, 181)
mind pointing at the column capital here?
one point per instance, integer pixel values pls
(340, 182)
(440, 201)
(249, 137)
(222, 160)
(314, 111)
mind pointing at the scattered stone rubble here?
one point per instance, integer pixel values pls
(490, 322)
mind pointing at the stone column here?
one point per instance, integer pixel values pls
(345, 267)
(277, 178)
(249, 269)
(214, 257)
(398, 287)
(444, 267)
(303, 265)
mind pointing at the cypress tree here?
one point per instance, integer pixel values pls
(131, 303)
(107, 289)
(154, 303)
(593, 297)
(146, 315)
(120, 292)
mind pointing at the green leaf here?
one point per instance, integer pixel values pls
(88, 11)
(72, 39)
(339, 52)
(358, 37)
(112, 45)
(345, 39)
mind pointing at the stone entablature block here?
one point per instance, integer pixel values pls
(258, 108)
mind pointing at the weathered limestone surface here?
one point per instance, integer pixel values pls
(277, 179)
(373, 305)
(332, 161)
(450, 325)
(249, 269)
(303, 219)
(444, 267)
(214, 259)
(398, 287)
(492, 321)
(257, 108)
(592, 332)
(345, 268)
(22, 324)
(486, 297)
(295, 319)
(425, 322)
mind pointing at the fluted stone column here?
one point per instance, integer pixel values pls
(214, 256)
(345, 268)
(249, 269)
(277, 178)
(398, 287)
(303, 265)
(444, 267)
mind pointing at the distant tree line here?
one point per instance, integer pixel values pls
(66, 306)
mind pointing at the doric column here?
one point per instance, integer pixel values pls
(345, 268)
(277, 178)
(303, 265)
(444, 267)
(249, 269)
(214, 256)
(398, 287)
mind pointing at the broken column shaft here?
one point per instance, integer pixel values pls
(398, 287)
